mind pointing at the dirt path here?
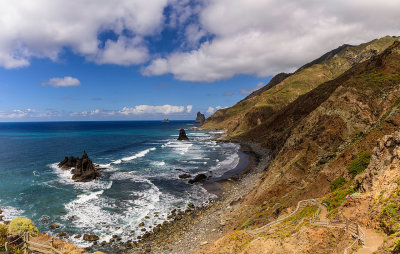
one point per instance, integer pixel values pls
(323, 213)
(372, 242)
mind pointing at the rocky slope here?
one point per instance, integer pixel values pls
(320, 143)
(285, 88)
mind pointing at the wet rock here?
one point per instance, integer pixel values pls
(78, 236)
(198, 178)
(83, 169)
(191, 205)
(1, 211)
(114, 236)
(182, 135)
(90, 238)
(62, 234)
(147, 217)
(117, 228)
(54, 226)
(141, 224)
(184, 176)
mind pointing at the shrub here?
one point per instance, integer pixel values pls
(337, 183)
(20, 225)
(360, 163)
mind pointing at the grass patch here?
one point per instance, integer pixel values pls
(337, 197)
(337, 183)
(360, 163)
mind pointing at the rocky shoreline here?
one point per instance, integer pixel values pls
(191, 229)
(195, 226)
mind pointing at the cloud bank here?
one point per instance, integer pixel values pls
(219, 38)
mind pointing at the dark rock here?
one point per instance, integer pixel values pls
(54, 226)
(184, 176)
(115, 236)
(1, 211)
(62, 234)
(90, 238)
(191, 205)
(141, 224)
(83, 169)
(1, 217)
(200, 118)
(182, 135)
(198, 178)
(78, 236)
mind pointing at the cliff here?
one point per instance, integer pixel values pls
(326, 141)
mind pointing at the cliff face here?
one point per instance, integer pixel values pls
(283, 89)
(320, 144)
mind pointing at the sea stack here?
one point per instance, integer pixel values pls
(182, 135)
(83, 168)
(200, 118)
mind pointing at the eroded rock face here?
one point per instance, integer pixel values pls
(182, 135)
(83, 169)
(386, 152)
(200, 118)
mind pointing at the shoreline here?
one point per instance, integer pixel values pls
(197, 227)
(249, 159)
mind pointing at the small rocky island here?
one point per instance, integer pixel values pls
(200, 118)
(83, 169)
(182, 135)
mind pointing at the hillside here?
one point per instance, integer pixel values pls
(321, 142)
(285, 88)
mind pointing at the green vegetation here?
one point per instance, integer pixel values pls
(360, 163)
(247, 223)
(20, 225)
(337, 183)
(337, 197)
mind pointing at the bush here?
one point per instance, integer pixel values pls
(360, 163)
(337, 183)
(20, 225)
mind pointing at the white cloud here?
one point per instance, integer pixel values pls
(17, 113)
(250, 90)
(62, 82)
(43, 28)
(189, 108)
(264, 37)
(210, 110)
(149, 109)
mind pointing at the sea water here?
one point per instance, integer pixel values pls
(139, 181)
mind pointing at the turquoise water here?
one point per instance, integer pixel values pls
(139, 179)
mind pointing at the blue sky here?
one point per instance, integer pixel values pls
(134, 60)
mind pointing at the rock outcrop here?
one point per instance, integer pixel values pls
(200, 118)
(386, 153)
(83, 169)
(198, 178)
(182, 135)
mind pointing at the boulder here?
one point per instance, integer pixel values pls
(90, 238)
(83, 169)
(182, 135)
(184, 176)
(198, 178)
(200, 118)
(54, 226)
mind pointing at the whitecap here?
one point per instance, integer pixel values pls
(135, 156)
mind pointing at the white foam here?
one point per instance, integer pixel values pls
(228, 164)
(135, 156)
(10, 212)
(158, 163)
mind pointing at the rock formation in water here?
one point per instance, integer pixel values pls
(83, 169)
(198, 178)
(182, 135)
(200, 118)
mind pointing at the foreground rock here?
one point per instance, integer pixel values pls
(200, 118)
(184, 176)
(182, 135)
(198, 178)
(83, 169)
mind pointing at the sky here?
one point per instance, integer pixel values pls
(63, 60)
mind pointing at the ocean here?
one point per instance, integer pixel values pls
(140, 182)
